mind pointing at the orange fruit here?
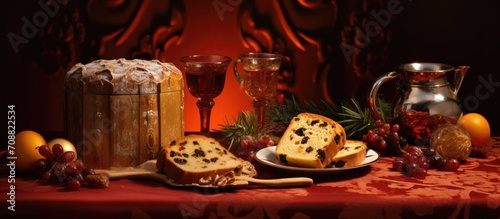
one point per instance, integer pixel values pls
(26, 148)
(478, 128)
(451, 141)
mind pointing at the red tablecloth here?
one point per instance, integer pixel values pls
(371, 192)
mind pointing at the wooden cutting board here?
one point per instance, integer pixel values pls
(148, 170)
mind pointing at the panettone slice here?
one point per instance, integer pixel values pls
(310, 140)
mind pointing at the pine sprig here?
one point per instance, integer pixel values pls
(279, 115)
(355, 119)
(246, 124)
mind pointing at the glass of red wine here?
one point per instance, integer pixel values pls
(205, 78)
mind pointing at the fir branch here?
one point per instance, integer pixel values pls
(246, 124)
(355, 119)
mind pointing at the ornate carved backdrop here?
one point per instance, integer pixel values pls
(306, 33)
(333, 49)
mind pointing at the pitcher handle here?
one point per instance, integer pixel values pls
(235, 70)
(373, 93)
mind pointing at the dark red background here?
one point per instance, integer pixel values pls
(308, 33)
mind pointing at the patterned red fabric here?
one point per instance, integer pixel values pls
(372, 192)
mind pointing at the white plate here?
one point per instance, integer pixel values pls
(267, 156)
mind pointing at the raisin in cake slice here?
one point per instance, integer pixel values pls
(196, 159)
(352, 154)
(310, 140)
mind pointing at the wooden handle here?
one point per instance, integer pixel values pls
(281, 182)
(132, 173)
(129, 173)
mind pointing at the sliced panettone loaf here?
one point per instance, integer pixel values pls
(310, 140)
(352, 154)
(196, 159)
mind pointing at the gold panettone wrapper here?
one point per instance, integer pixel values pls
(120, 112)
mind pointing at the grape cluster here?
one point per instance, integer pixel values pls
(62, 167)
(384, 138)
(249, 146)
(415, 162)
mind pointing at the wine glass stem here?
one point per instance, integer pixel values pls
(260, 109)
(205, 107)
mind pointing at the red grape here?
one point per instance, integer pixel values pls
(420, 173)
(47, 177)
(415, 162)
(44, 150)
(68, 156)
(87, 171)
(392, 142)
(41, 165)
(398, 164)
(409, 168)
(61, 168)
(71, 170)
(57, 149)
(414, 150)
(73, 184)
(451, 165)
(50, 159)
(79, 165)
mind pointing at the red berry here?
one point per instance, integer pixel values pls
(270, 142)
(244, 144)
(372, 137)
(395, 128)
(381, 131)
(261, 143)
(266, 139)
(387, 126)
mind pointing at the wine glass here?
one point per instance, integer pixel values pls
(205, 77)
(260, 79)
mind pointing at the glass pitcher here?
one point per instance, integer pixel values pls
(424, 99)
